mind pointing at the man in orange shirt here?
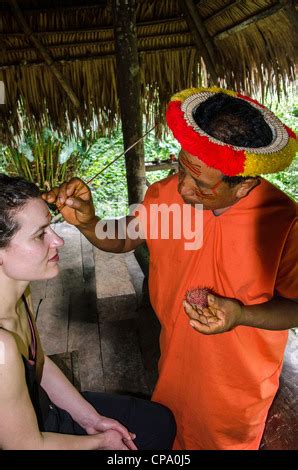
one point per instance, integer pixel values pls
(220, 365)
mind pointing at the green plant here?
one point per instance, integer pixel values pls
(286, 180)
(47, 159)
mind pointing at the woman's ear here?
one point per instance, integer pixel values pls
(246, 186)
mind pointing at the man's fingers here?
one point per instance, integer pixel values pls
(62, 196)
(200, 327)
(77, 187)
(190, 311)
(202, 315)
(188, 308)
(57, 195)
(77, 204)
(204, 320)
(209, 329)
(51, 196)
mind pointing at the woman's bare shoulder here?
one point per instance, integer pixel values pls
(9, 352)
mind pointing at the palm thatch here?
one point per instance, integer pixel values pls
(252, 49)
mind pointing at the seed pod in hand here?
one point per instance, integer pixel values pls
(198, 297)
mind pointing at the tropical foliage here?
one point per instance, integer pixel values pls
(48, 159)
(51, 159)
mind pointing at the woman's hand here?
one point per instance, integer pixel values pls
(113, 440)
(105, 425)
(74, 201)
(222, 315)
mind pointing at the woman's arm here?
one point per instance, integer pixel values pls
(18, 424)
(63, 394)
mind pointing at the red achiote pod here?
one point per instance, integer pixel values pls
(198, 297)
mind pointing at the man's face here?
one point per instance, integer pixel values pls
(200, 184)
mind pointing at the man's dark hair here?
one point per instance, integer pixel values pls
(14, 193)
(235, 122)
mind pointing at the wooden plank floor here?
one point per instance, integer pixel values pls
(95, 307)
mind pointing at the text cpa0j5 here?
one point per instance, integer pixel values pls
(155, 459)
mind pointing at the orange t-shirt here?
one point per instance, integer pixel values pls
(220, 387)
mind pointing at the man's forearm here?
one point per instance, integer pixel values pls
(277, 314)
(116, 240)
(106, 244)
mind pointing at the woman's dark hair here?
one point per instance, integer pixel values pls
(14, 193)
(235, 122)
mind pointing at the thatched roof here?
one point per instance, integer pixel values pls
(251, 45)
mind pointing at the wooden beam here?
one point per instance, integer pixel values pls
(161, 166)
(129, 93)
(163, 22)
(62, 9)
(94, 57)
(44, 53)
(99, 43)
(201, 37)
(200, 26)
(223, 10)
(244, 24)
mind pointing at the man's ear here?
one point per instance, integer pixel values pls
(246, 186)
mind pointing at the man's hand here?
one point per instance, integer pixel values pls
(222, 315)
(103, 425)
(74, 200)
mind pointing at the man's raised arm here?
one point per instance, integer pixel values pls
(74, 200)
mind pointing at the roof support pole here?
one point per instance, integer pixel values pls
(201, 37)
(129, 92)
(44, 53)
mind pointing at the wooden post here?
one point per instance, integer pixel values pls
(129, 91)
(201, 36)
(44, 53)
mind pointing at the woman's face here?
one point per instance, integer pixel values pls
(32, 253)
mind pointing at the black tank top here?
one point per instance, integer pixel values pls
(39, 398)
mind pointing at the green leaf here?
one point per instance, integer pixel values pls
(67, 150)
(26, 150)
